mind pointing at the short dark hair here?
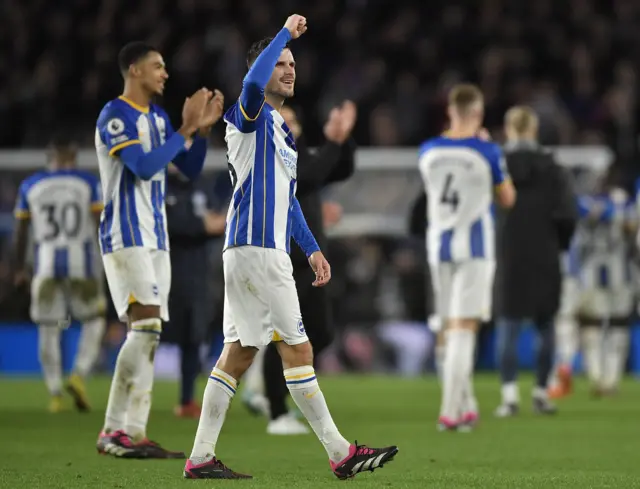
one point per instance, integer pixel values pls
(257, 47)
(132, 53)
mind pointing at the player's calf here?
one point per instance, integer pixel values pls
(221, 388)
(51, 358)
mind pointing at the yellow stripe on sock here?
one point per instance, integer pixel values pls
(147, 325)
(226, 378)
(300, 376)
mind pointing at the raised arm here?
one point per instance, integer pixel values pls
(255, 81)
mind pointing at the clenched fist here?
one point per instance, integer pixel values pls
(296, 25)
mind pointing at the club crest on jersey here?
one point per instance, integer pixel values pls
(301, 330)
(115, 126)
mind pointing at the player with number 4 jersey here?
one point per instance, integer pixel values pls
(461, 173)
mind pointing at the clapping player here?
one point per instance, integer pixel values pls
(135, 142)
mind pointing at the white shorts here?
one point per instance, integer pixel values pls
(463, 290)
(569, 297)
(59, 300)
(140, 275)
(260, 298)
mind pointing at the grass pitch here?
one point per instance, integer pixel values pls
(589, 444)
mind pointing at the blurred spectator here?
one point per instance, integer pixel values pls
(572, 61)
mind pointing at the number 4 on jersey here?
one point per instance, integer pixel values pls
(449, 194)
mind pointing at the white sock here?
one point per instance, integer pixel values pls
(305, 391)
(510, 393)
(146, 334)
(592, 345)
(457, 369)
(253, 380)
(50, 357)
(566, 340)
(89, 346)
(221, 388)
(126, 372)
(616, 358)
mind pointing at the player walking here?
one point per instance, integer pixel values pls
(460, 172)
(607, 284)
(260, 294)
(135, 142)
(62, 206)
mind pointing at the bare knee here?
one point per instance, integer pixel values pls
(295, 355)
(138, 312)
(235, 359)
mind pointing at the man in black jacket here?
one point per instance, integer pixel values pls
(191, 224)
(530, 239)
(333, 162)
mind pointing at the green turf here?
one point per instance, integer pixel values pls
(590, 444)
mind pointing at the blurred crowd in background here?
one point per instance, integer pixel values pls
(574, 62)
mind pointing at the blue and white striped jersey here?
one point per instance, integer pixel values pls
(59, 204)
(263, 162)
(134, 211)
(604, 246)
(459, 177)
(263, 159)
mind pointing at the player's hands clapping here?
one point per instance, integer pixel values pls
(212, 111)
(296, 25)
(341, 121)
(322, 269)
(193, 112)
